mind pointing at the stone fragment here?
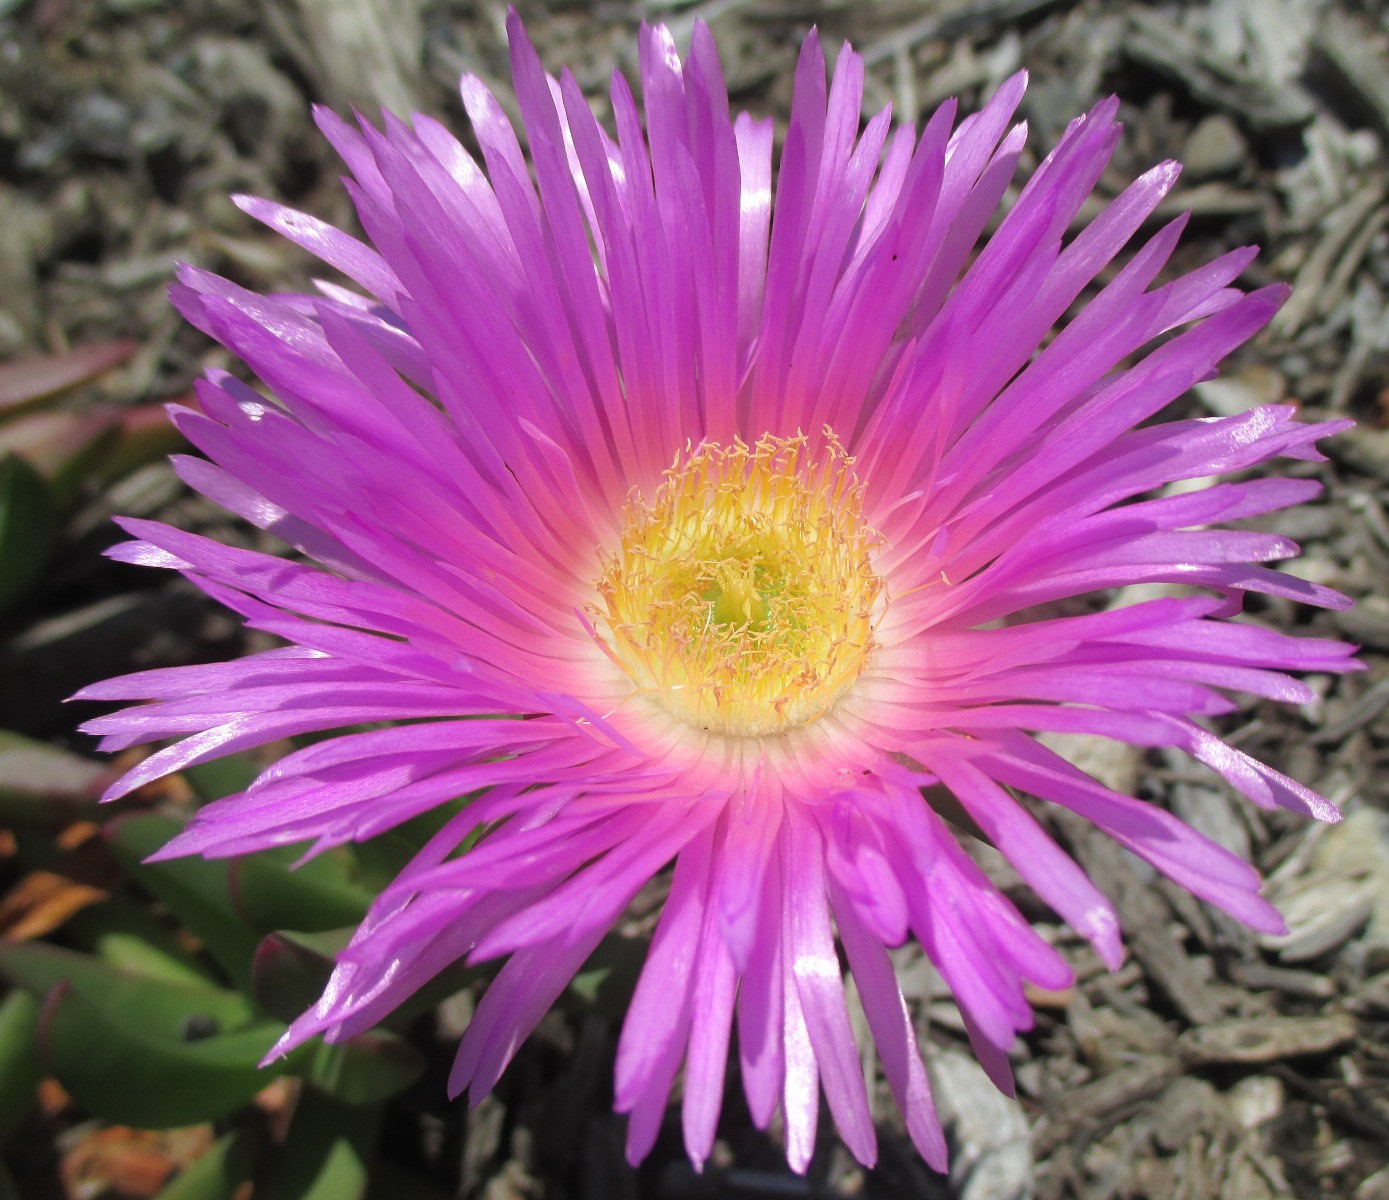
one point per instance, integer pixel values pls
(1265, 1039)
(990, 1157)
(1214, 149)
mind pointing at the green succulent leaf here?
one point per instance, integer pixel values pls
(609, 977)
(127, 935)
(31, 379)
(158, 1007)
(368, 1069)
(218, 1174)
(67, 448)
(196, 889)
(137, 1078)
(328, 1152)
(289, 970)
(319, 895)
(79, 452)
(28, 528)
(19, 1060)
(144, 435)
(221, 776)
(44, 787)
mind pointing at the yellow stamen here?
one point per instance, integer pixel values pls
(742, 598)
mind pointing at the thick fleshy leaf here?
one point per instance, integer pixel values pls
(318, 895)
(287, 975)
(124, 934)
(45, 786)
(30, 379)
(19, 1060)
(222, 776)
(28, 528)
(367, 1069)
(134, 1077)
(328, 1152)
(78, 452)
(609, 977)
(196, 890)
(63, 447)
(144, 434)
(220, 1173)
(290, 971)
(155, 1006)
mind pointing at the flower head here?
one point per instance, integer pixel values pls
(673, 525)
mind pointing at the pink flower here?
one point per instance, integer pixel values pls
(675, 524)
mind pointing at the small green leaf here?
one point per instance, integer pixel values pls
(38, 377)
(45, 787)
(319, 895)
(327, 1153)
(126, 934)
(218, 1174)
(135, 1078)
(66, 448)
(609, 977)
(19, 1060)
(196, 889)
(221, 777)
(28, 528)
(288, 974)
(145, 434)
(291, 970)
(381, 858)
(368, 1069)
(153, 1006)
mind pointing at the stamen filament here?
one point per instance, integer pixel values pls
(742, 598)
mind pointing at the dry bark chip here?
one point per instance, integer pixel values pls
(1265, 1039)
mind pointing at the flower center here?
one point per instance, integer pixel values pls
(742, 597)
